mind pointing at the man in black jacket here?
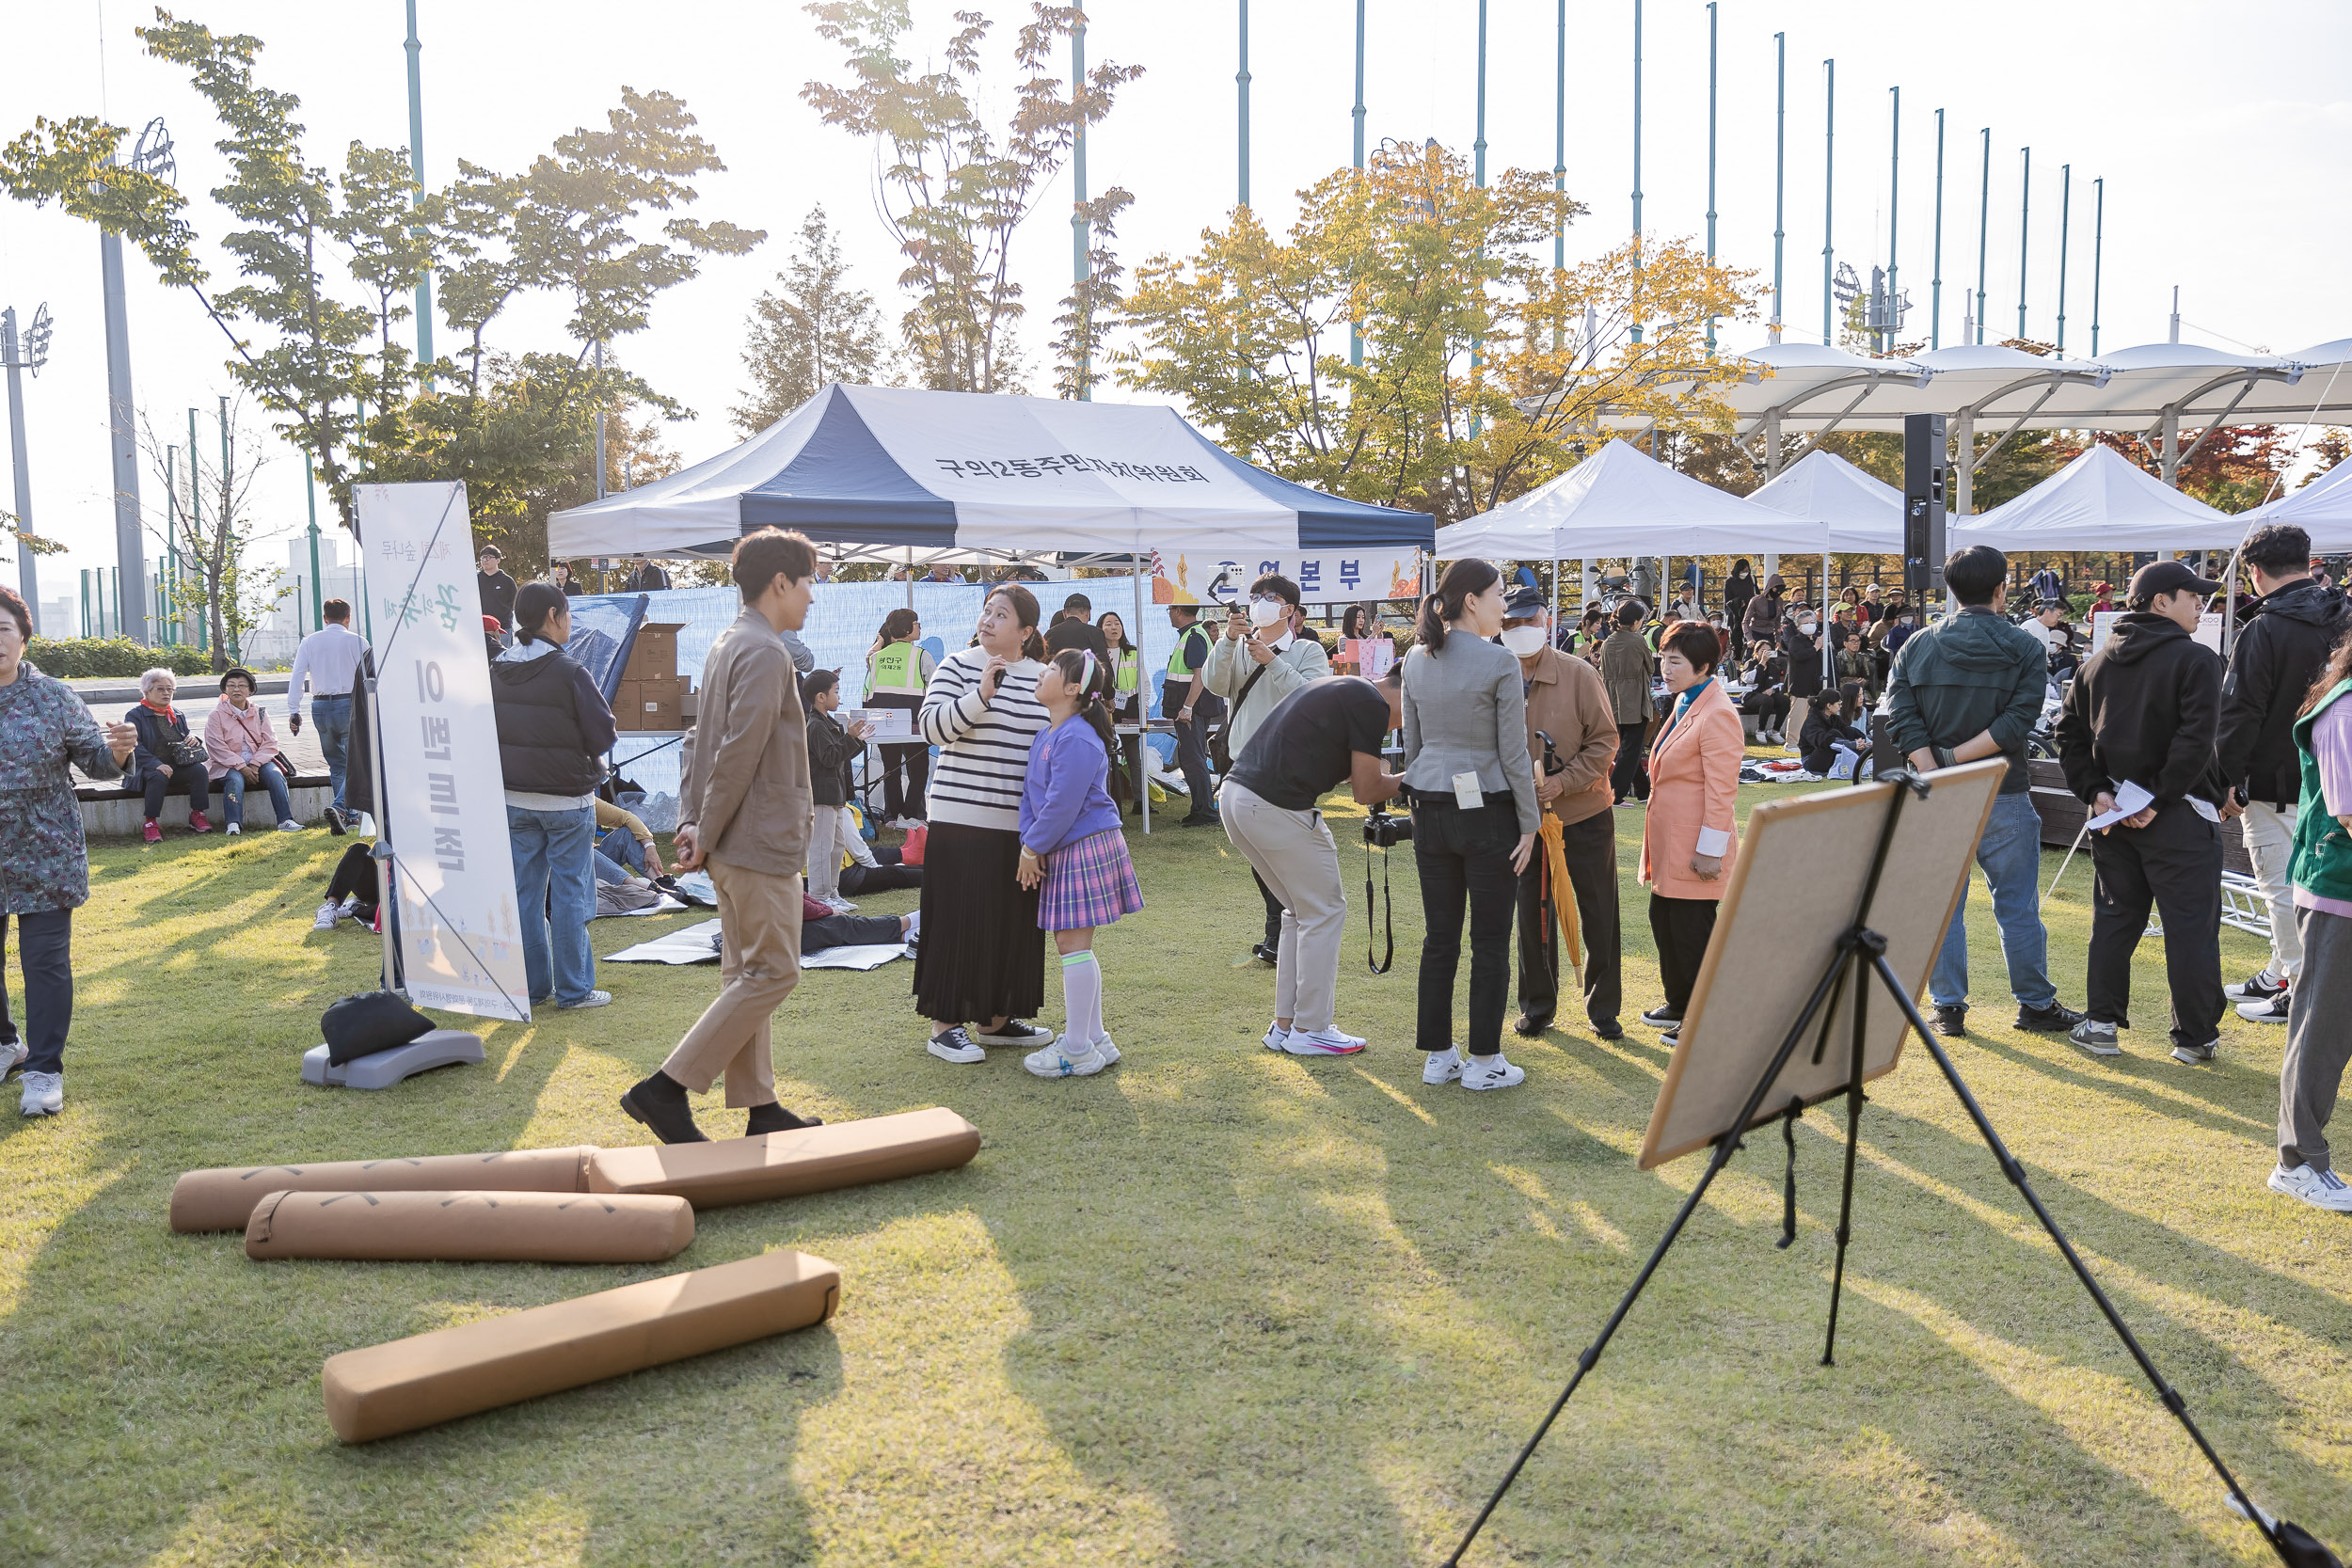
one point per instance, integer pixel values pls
(2144, 711)
(2281, 647)
(495, 588)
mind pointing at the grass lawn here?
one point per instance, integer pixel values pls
(1214, 1307)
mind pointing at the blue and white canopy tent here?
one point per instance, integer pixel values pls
(885, 473)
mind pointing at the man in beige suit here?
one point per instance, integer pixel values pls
(744, 813)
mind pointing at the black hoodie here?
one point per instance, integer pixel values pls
(2145, 708)
(2281, 649)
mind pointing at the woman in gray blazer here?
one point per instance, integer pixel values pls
(1472, 791)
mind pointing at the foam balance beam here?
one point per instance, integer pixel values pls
(788, 1165)
(429, 1378)
(475, 1226)
(223, 1200)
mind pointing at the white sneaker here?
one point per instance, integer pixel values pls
(1491, 1072)
(954, 1045)
(290, 826)
(232, 830)
(329, 912)
(12, 1055)
(593, 999)
(839, 905)
(1105, 1048)
(1443, 1067)
(2321, 1189)
(1322, 1042)
(1055, 1061)
(1275, 1036)
(44, 1094)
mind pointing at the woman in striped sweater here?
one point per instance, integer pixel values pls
(982, 960)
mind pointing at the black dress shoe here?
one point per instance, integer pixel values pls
(1200, 819)
(1265, 954)
(1607, 1029)
(2056, 1018)
(1529, 1027)
(1954, 1022)
(772, 1117)
(660, 1103)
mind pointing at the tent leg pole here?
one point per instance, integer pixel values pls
(1143, 782)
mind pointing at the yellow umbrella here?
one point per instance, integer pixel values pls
(1563, 895)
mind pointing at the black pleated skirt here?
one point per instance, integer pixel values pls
(982, 954)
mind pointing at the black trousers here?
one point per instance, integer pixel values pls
(1630, 779)
(1464, 858)
(1590, 849)
(1681, 927)
(888, 877)
(849, 931)
(1273, 913)
(1192, 752)
(189, 779)
(2174, 863)
(1771, 710)
(906, 768)
(44, 949)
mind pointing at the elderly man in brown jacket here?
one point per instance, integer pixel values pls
(744, 813)
(1568, 702)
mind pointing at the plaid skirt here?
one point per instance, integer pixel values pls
(1089, 883)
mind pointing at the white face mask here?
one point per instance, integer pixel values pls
(1264, 612)
(1522, 641)
(1809, 627)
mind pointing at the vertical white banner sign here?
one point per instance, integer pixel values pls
(443, 801)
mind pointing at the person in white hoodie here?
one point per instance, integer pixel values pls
(1263, 657)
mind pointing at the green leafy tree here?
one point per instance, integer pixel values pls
(217, 590)
(819, 329)
(953, 190)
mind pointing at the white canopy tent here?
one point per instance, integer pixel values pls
(2322, 509)
(1618, 502)
(1864, 514)
(2099, 502)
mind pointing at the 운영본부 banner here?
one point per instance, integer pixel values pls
(1325, 577)
(442, 807)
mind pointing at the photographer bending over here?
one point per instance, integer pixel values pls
(1329, 732)
(1474, 815)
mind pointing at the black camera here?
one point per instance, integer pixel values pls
(1386, 831)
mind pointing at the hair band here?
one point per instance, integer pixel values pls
(1087, 684)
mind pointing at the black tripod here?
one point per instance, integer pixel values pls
(1861, 953)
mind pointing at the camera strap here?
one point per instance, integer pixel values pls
(1382, 964)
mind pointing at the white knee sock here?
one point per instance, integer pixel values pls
(1081, 1001)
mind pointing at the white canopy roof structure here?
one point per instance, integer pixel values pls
(1864, 514)
(2100, 502)
(1618, 502)
(2322, 509)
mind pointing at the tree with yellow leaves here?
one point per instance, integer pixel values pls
(1484, 370)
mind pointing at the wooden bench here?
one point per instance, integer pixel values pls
(113, 809)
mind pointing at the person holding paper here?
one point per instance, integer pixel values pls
(2145, 711)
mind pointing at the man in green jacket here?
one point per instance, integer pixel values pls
(1967, 687)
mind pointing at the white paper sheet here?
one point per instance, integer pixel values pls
(2130, 801)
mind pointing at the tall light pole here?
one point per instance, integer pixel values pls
(2098, 238)
(1829, 192)
(151, 155)
(1984, 232)
(1355, 328)
(1894, 210)
(1637, 177)
(2066, 199)
(195, 520)
(1935, 285)
(1780, 178)
(19, 353)
(416, 167)
(1559, 138)
(1241, 80)
(1078, 263)
(1478, 170)
(2025, 219)
(1711, 163)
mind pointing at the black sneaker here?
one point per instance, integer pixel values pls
(1265, 954)
(2260, 986)
(660, 1103)
(1530, 1026)
(1015, 1032)
(2056, 1018)
(335, 821)
(1953, 1022)
(772, 1117)
(1607, 1029)
(1663, 1017)
(1201, 819)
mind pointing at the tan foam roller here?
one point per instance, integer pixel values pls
(223, 1200)
(430, 1378)
(518, 1227)
(787, 1164)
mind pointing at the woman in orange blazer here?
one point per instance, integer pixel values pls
(1689, 837)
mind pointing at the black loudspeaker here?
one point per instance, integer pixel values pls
(1923, 507)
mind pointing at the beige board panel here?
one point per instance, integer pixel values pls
(472, 1226)
(788, 1165)
(223, 1198)
(429, 1378)
(1800, 876)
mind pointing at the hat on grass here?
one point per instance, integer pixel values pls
(2166, 576)
(1523, 603)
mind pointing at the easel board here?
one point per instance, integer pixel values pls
(1800, 876)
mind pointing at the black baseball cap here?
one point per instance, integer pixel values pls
(2166, 576)
(1523, 603)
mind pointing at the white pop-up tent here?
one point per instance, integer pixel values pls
(2099, 502)
(2322, 509)
(1618, 502)
(1864, 514)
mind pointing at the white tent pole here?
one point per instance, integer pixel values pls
(1135, 639)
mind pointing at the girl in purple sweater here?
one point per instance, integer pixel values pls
(1071, 842)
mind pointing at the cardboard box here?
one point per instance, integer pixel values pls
(654, 655)
(656, 703)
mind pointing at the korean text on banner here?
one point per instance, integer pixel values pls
(443, 804)
(1337, 576)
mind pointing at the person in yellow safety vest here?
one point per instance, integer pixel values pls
(1126, 662)
(898, 669)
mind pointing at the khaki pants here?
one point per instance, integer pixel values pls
(2268, 834)
(759, 916)
(1294, 856)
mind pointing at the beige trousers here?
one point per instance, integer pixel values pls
(759, 916)
(1293, 853)
(824, 853)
